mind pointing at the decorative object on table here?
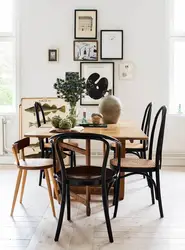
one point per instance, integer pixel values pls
(52, 106)
(85, 24)
(84, 119)
(85, 50)
(126, 71)
(71, 90)
(53, 55)
(111, 44)
(110, 107)
(62, 123)
(96, 118)
(99, 79)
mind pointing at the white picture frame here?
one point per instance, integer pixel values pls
(126, 70)
(100, 70)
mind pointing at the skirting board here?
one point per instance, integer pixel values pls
(169, 159)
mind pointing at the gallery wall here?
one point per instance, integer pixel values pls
(48, 24)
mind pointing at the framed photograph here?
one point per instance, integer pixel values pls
(85, 50)
(85, 24)
(111, 44)
(126, 70)
(53, 55)
(99, 80)
(71, 75)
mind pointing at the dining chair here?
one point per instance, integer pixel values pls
(45, 146)
(148, 166)
(84, 175)
(139, 148)
(27, 164)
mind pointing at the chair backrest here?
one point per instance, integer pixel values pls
(145, 126)
(39, 111)
(161, 123)
(20, 146)
(57, 141)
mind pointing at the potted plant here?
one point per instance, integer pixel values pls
(71, 90)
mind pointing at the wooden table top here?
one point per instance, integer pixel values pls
(123, 130)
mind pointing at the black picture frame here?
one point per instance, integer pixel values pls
(103, 45)
(53, 55)
(83, 36)
(110, 73)
(83, 42)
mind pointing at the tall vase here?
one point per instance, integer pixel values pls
(73, 114)
(110, 108)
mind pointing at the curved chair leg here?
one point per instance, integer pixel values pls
(106, 212)
(159, 194)
(71, 159)
(61, 216)
(74, 159)
(116, 198)
(40, 177)
(151, 189)
(68, 202)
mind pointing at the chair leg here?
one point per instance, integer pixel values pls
(54, 185)
(71, 158)
(40, 177)
(106, 212)
(74, 159)
(23, 184)
(59, 226)
(159, 194)
(16, 190)
(116, 198)
(68, 202)
(50, 192)
(152, 189)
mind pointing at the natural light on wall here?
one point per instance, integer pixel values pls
(177, 52)
(7, 57)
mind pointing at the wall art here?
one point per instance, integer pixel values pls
(85, 50)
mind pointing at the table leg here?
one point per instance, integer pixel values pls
(88, 190)
(122, 181)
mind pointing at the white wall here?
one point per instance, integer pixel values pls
(49, 23)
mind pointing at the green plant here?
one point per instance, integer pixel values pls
(55, 121)
(70, 90)
(65, 124)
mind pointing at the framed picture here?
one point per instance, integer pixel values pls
(53, 55)
(85, 24)
(71, 75)
(85, 50)
(111, 44)
(126, 70)
(99, 80)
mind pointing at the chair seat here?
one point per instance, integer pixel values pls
(129, 145)
(87, 175)
(35, 164)
(130, 164)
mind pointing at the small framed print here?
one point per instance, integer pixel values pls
(85, 24)
(126, 70)
(85, 50)
(53, 55)
(111, 44)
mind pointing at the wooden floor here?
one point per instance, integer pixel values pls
(137, 226)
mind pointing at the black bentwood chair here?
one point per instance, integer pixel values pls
(139, 148)
(45, 146)
(147, 167)
(85, 175)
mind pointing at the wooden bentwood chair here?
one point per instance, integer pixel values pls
(147, 167)
(85, 175)
(45, 146)
(24, 165)
(139, 148)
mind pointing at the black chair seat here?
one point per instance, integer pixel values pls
(87, 175)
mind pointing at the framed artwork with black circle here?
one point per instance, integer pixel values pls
(99, 81)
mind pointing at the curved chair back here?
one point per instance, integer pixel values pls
(160, 114)
(39, 111)
(145, 126)
(57, 141)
